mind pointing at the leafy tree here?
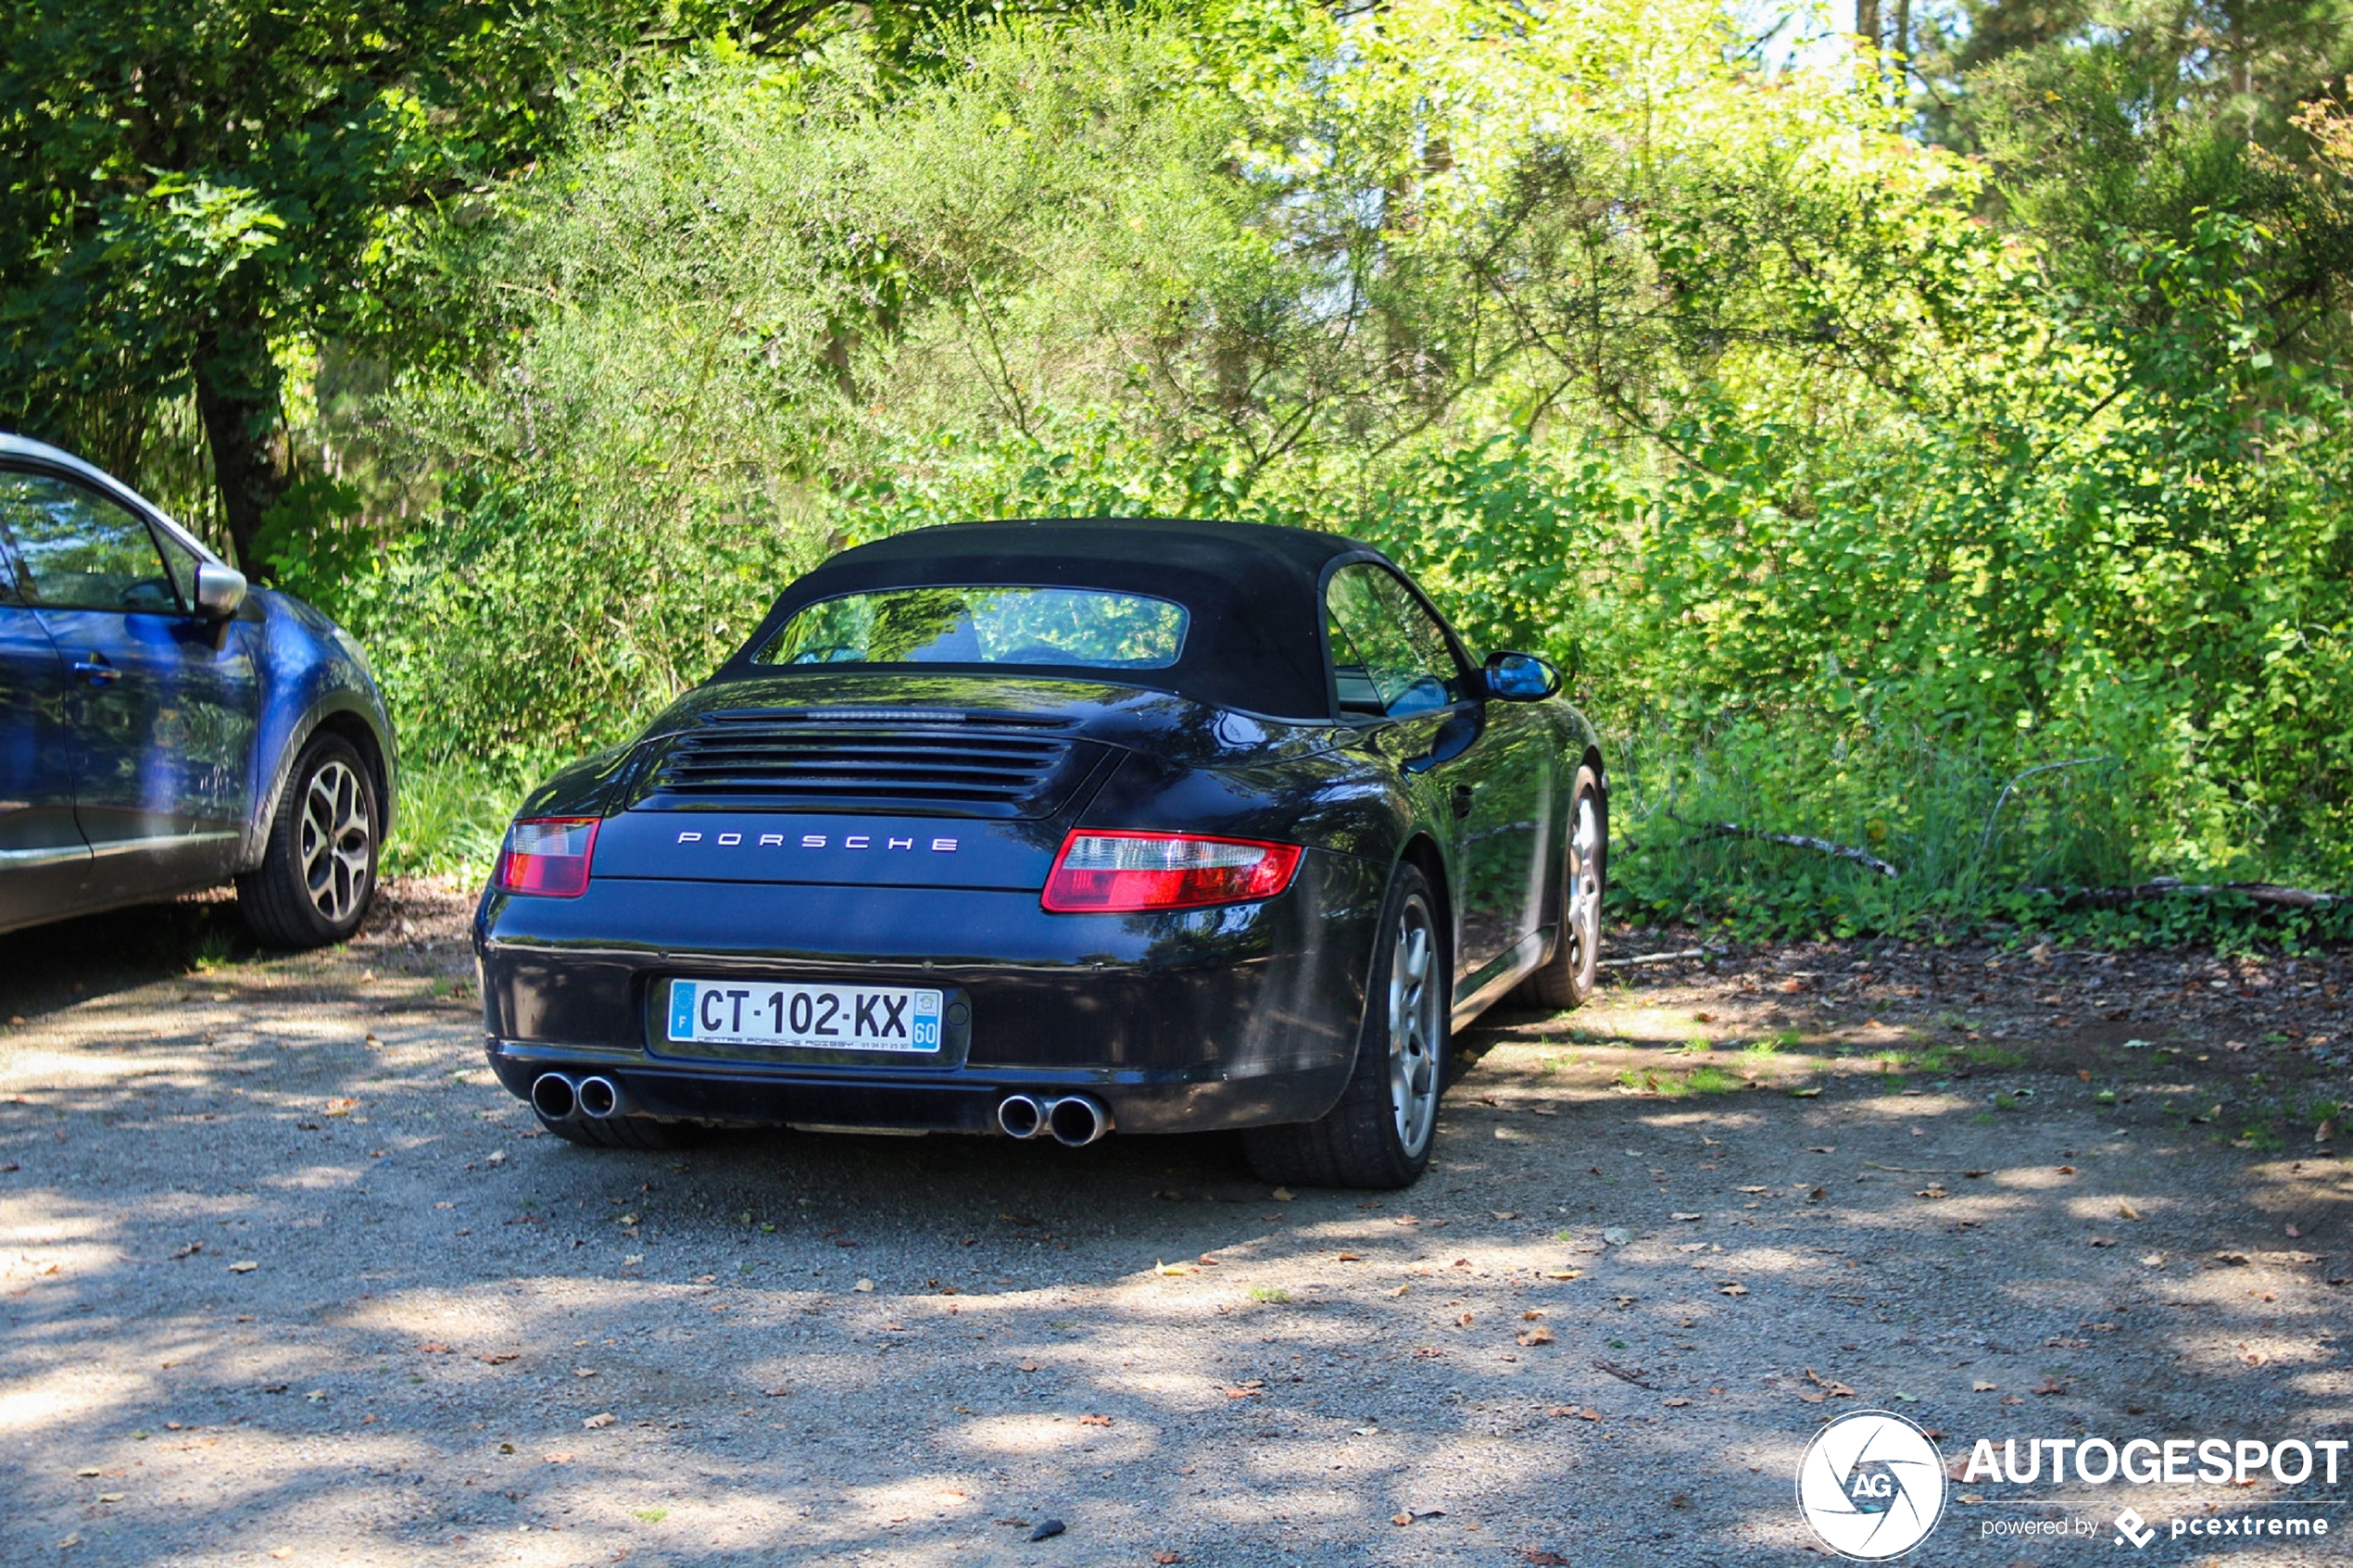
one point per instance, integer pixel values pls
(190, 185)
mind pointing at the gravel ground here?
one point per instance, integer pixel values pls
(284, 1276)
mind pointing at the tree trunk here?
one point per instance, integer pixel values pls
(237, 397)
(1867, 21)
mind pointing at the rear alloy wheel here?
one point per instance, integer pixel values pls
(318, 871)
(1380, 1133)
(1568, 977)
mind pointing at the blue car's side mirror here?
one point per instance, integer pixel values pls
(221, 590)
(1520, 677)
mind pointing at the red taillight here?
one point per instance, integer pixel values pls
(548, 855)
(1100, 872)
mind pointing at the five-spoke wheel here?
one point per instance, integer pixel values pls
(318, 870)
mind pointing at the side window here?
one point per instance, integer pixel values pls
(1388, 656)
(79, 550)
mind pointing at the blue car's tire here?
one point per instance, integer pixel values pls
(1380, 1134)
(317, 872)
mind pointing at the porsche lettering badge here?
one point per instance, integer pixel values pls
(819, 841)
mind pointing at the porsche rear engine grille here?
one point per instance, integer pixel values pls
(997, 765)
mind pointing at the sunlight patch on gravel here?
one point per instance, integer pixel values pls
(28, 1067)
(65, 1400)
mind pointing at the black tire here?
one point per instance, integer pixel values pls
(318, 871)
(626, 1132)
(1380, 1134)
(1568, 977)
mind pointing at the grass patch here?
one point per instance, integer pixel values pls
(1270, 1295)
(1996, 1057)
(653, 1515)
(1677, 1085)
(450, 820)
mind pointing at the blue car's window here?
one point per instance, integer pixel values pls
(981, 624)
(79, 550)
(1388, 655)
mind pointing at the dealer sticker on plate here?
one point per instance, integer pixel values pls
(843, 1018)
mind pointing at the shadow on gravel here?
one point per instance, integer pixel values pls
(445, 1304)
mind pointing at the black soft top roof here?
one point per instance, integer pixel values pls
(1255, 594)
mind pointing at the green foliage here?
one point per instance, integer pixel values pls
(1846, 511)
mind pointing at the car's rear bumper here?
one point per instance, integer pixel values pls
(1236, 1016)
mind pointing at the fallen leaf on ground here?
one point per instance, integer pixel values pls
(1734, 1288)
(600, 1421)
(2126, 1212)
(1178, 1268)
(499, 1358)
(1094, 1421)
(1688, 1216)
(1677, 1404)
(244, 1266)
(1281, 1195)
(1982, 1387)
(1540, 1334)
(342, 1107)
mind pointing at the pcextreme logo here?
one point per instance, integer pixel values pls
(1871, 1485)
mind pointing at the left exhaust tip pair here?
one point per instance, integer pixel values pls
(1075, 1121)
(558, 1096)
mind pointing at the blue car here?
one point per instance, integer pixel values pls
(164, 727)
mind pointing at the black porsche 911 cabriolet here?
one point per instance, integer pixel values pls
(1056, 828)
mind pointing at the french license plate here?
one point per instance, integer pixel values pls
(843, 1018)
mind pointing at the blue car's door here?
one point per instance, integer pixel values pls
(44, 863)
(162, 705)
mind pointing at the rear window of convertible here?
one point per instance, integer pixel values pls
(984, 624)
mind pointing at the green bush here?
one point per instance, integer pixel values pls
(1845, 516)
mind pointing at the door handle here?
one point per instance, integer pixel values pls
(1461, 796)
(96, 671)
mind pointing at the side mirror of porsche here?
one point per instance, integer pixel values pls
(1520, 677)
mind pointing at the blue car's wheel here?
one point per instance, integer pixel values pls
(317, 874)
(1380, 1133)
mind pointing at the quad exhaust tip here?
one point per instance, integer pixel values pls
(1073, 1120)
(1018, 1116)
(599, 1097)
(1077, 1121)
(554, 1097)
